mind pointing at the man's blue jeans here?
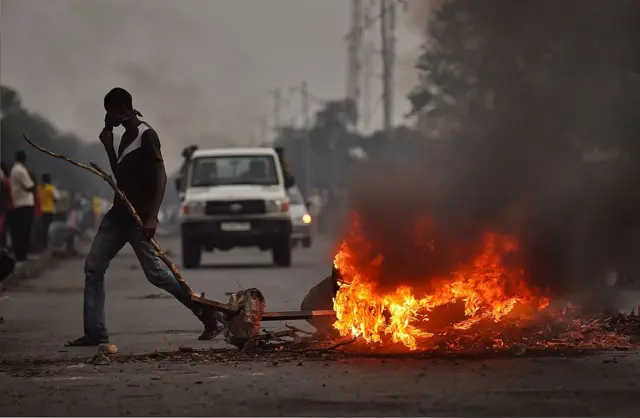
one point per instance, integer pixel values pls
(112, 235)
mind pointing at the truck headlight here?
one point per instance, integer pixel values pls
(280, 205)
(306, 219)
(192, 208)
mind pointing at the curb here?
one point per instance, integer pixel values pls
(31, 269)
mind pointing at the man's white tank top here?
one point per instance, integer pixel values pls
(137, 143)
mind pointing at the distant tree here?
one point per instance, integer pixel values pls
(9, 100)
(546, 66)
(334, 141)
(330, 139)
(17, 121)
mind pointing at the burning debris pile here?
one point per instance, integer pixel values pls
(485, 304)
(473, 243)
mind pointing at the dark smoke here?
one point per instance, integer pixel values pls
(535, 85)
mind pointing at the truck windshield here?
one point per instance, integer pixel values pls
(236, 169)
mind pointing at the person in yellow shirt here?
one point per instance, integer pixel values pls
(48, 196)
(97, 206)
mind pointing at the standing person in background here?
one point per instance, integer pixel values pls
(36, 245)
(62, 235)
(22, 188)
(49, 195)
(315, 207)
(315, 202)
(63, 205)
(82, 200)
(6, 204)
(97, 212)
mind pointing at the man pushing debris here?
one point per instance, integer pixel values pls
(139, 171)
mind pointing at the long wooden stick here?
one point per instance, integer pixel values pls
(95, 169)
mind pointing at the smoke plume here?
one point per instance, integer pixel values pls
(524, 89)
(199, 71)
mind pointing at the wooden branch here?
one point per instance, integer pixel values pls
(223, 307)
(329, 348)
(296, 329)
(95, 169)
(276, 335)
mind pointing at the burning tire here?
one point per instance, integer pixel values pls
(321, 297)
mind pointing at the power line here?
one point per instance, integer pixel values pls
(387, 34)
(311, 98)
(354, 52)
(369, 50)
(360, 64)
(264, 130)
(277, 108)
(304, 93)
(277, 105)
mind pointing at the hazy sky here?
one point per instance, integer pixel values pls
(198, 69)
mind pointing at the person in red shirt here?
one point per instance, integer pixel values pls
(6, 203)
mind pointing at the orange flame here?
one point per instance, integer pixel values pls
(486, 288)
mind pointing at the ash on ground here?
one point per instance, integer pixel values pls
(558, 337)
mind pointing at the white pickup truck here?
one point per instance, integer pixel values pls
(235, 197)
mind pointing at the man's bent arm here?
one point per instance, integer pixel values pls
(113, 159)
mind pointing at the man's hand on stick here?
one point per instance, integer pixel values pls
(149, 227)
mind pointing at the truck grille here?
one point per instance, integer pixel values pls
(235, 207)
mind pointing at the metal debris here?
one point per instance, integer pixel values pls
(245, 325)
(518, 349)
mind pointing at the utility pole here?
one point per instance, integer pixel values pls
(307, 138)
(387, 29)
(264, 131)
(354, 50)
(369, 50)
(277, 104)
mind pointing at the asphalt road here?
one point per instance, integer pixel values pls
(38, 376)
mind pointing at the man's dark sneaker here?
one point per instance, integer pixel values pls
(211, 327)
(210, 334)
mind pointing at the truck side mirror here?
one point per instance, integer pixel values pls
(178, 184)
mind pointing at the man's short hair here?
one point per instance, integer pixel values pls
(46, 178)
(118, 97)
(21, 156)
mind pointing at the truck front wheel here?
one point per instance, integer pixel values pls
(281, 252)
(191, 254)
